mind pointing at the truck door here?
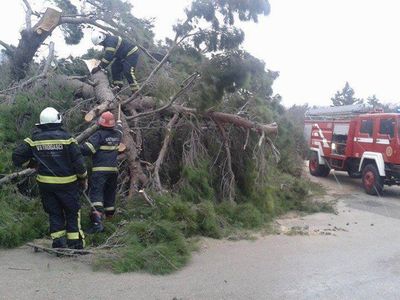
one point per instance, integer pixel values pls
(363, 136)
(386, 137)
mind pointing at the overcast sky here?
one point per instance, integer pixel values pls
(316, 45)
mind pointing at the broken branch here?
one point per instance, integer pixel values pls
(163, 152)
(28, 15)
(9, 48)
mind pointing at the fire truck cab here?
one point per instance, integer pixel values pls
(351, 138)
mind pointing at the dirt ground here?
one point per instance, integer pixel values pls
(350, 255)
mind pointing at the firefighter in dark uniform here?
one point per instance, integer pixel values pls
(123, 57)
(103, 147)
(60, 168)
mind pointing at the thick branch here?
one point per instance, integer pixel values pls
(86, 133)
(268, 129)
(242, 122)
(28, 15)
(163, 152)
(8, 178)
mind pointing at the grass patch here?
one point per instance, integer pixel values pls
(160, 240)
(21, 219)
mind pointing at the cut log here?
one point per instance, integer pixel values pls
(49, 21)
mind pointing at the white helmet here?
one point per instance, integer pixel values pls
(49, 115)
(98, 37)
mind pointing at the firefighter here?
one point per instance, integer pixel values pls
(103, 147)
(122, 56)
(61, 169)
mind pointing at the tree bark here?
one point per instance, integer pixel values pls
(28, 45)
(103, 94)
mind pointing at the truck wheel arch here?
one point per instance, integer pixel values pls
(373, 157)
(321, 160)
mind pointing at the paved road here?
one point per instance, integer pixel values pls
(352, 255)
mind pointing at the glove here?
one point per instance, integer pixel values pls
(96, 69)
(83, 183)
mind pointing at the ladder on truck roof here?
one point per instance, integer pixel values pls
(337, 112)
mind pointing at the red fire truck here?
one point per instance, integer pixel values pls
(355, 139)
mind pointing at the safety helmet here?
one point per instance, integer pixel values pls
(98, 37)
(106, 120)
(50, 115)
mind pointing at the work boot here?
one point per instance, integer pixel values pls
(60, 242)
(75, 244)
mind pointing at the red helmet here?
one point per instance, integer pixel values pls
(106, 120)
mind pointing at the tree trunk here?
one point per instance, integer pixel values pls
(22, 56)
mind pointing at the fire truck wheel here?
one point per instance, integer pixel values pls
(315, 168)
(372, 181)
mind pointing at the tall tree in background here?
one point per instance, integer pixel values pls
(345, 97)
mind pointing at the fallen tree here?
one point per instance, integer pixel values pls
(200, 135)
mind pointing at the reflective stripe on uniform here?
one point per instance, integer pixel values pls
(112, 49)
(114, 169)
(108, 148)
(58, 234)
(132, 51)
(84, 175)
(56, 179)
(118, 82)
(91, 147)
(100, 204)
(73, 235)
(105, 61)
(111, 208)
(50, 142)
